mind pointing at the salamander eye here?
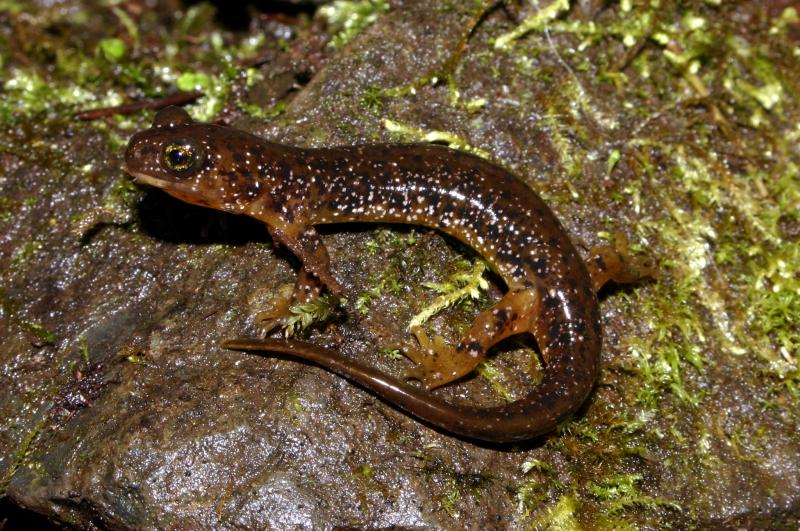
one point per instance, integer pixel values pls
(180, 156)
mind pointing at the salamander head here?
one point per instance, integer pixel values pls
(199, 163)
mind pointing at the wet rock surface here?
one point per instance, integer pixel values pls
(674, 125)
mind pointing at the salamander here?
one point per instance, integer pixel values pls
(551, 290)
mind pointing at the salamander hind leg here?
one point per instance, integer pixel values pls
(607, 263)
(439, 364)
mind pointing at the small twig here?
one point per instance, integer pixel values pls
(630, 54)
(130, 108)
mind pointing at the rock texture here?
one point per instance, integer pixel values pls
(674, 123)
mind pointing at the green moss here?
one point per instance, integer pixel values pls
(79, 80)
(565, 149)
(11, 311)
(25, 252)
(135, 358)
(775, 296)
(660, 358)
(392, 353)
(451, 496)
(534, 22)
(216, 90)
(461, 285)
(409, 133)
(294, 406)
(727, 281)
(678, 336)
(613, 159)
(471, 106)
(529, 495)
(127, 22)
(708, 184)
(7, 207)
(259, 112)
(188, 81)
(459, 485)
(112, 49)
(386, 280)
(366, 472)
(23, 453)
(540, 484)
(14, 7)
(560, 517)
(619, 494)
(27, 93)
(372, 99)
(197, 19)
(84, 348)
(385, 239)
(374, 96)
(348, 18)
(301, 316)
(39, 331)
(449, 486)
(487, 370)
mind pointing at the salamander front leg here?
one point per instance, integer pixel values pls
(314, 272)
(307, 288)
(306, 244)
(439, 364)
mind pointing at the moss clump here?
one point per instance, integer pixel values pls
(302, 316)
(619, 493)
(459, 286)
(561, 516)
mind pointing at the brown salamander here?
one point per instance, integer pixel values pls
(551, 291)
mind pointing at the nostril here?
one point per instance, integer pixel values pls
(135, 151)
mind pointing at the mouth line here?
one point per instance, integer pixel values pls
(169, 186)
(182, 191)
(143, 178)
